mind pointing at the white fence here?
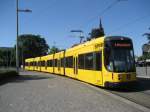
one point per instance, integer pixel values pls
(143, 71)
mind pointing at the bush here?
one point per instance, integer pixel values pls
(8, 74)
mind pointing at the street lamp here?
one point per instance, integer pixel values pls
(17, 53)
(81, 34)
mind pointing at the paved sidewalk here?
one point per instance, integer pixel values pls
(43, 92)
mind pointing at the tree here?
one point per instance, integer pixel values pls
(31, 46)
(147, 36)
(97, 32)
(146, 53)
(7, 56)
(54, 49)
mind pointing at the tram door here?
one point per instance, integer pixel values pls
(75, 61)
(59, 64)
(98, 67)
(53, 64)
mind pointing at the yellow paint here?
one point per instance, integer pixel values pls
(29, 61)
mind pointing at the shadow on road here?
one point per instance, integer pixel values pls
(142, 84)
(23, 78)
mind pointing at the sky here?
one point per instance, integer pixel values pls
(54, 19)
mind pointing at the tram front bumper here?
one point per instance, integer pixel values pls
(120, 84)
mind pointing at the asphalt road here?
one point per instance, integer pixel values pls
(42, 92)
(139, 93)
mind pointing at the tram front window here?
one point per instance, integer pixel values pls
(119, 59)
(123, 60)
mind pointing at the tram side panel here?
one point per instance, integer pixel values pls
(43, 63)
(69, 63)
(27, 64)
(38, 64)
(49, 63)
(61, 63)
(86, 67)
(56, 63)
(31, 64)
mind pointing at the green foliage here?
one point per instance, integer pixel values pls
(7, 74)
(144, 57)
(147, 36)
(54, 49)
(7, 56)
(31, 46)
(97, 33)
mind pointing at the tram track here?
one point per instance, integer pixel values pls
(140, 98)
(139, 93)
(146, 93)
(144, 107)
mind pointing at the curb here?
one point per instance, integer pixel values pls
(146, 77)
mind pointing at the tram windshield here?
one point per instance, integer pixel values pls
(119, 58)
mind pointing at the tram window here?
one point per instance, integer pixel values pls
(62, 62)
(49, 63)
(81, 61)
(26, 64)
(31, 63)
(42, 63)
(66, 64)
(69, 62)
(55, 63)
(58, 63)
(89, 61)
(98, 61)
(45, 65)
(39, 63)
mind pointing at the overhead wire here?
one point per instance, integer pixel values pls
(130, 23)
(101, 13)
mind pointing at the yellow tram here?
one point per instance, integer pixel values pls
(104, 61)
